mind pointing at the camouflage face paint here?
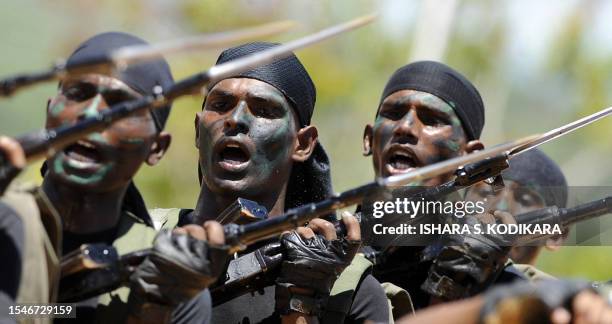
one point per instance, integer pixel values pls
(260, 122)
(57, 108)
(415, 129)
(105, 160)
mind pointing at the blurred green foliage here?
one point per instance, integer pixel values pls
(570, 78)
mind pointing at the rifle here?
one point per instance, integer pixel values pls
(46, 142)
(489, 169)
(113, 271)
(564, 217)
(120, 58)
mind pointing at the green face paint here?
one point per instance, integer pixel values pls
(261, 130)
(414, 129)
(56, 109)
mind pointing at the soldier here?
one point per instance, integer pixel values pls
(428, 113)
(532, 181)
(256, 142)
(87, 195)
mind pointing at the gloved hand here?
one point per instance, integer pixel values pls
(464, 265)
(182, 264)
(12, 161)
(525, 302)
(314, 258)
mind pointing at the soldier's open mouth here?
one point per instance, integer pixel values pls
(233, 156)
(83, 154)
(401, 161)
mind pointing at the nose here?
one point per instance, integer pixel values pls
(237, 122)
(93, 106)
(406, 131)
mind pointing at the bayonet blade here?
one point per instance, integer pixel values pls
(560, 131)
(225, 70)
(137, 53)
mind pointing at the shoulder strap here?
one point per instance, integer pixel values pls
(399, 300)
(343, 291)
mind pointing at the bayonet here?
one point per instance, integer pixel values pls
(122, 57)
(46, 142)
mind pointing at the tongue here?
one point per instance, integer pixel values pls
(233, 155)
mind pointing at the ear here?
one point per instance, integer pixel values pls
(368, 134)
(196, 122)
(305, 142)
(159, 148)
(474, 145)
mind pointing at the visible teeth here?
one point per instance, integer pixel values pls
(234, 145)
(86, 144)
(80, 164)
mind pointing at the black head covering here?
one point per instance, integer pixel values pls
(533, 168)
(288, 75)
(445, 83)
(142, 77)
(310, 181)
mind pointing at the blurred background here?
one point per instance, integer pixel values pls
(537, 64)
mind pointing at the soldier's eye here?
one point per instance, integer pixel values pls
(267, 111)
(114, 97)
(527, 198)
(219, 105)
(80, 91)
(431, 119)
(393, 114)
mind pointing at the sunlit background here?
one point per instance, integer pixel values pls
(537, 64)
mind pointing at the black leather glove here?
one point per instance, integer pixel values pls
(526, 302)
(178, 268)
(314, 265)
(464, 265)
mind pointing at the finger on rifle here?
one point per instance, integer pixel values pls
(195, 231)
(305, 232)
(323, 227)
(353, 229)
(14, 152)
(214, 232)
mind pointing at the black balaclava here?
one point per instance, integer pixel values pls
(310, 181)
(141, 77)
(446, 84)
(533, 168)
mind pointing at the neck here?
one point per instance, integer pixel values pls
(84, 212)
(210, 204)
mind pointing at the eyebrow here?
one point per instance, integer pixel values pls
(413, 99)
(221, 93)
